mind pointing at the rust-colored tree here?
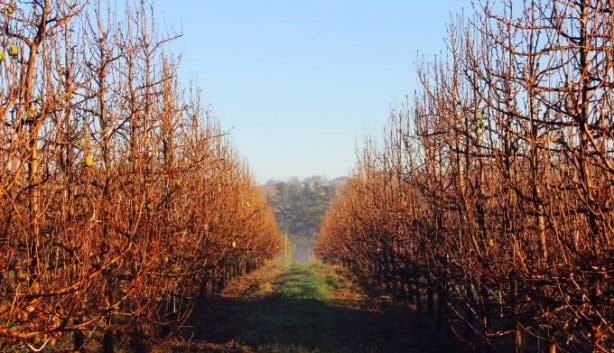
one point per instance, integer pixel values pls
(121, 202)
(503, 180)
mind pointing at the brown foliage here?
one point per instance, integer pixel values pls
(121, 202)
(494, 187)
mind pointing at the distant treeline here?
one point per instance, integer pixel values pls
(299, 206)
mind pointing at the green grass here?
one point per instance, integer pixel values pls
(310, 308)
(307, 282)
(291, 348)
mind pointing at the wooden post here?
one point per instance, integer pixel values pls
(518, 340)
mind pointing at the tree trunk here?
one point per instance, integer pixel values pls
(518, 340)
(78, 340)
(108, 341)
(137, 342)
(429, 300)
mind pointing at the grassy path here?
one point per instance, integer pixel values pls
(305, 309)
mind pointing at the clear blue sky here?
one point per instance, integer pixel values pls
(300, 83)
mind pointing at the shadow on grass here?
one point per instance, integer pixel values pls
(298, 318)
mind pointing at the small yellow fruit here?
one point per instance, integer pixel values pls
(88, 161)
(234, 244)
(32, 113)
(10, 9)
(13, 50)
(1, 54)
(491, 242)
(55, 322)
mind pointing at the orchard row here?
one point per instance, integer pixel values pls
(122, 204)
(491, 198)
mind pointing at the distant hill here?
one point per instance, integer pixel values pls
(340, 181)
(299, 206)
